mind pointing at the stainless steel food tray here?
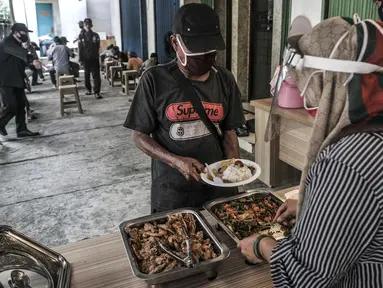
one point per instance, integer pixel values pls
(208, 267)
(209, 207)
(22, 253)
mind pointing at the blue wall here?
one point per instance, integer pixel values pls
(165, 11)
(133, 27)
(44, 13)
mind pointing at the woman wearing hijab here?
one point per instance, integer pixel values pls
(337, 240)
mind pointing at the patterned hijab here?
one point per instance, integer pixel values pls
(343, 99)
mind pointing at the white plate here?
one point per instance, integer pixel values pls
(218, 165)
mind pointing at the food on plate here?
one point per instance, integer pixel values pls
(152, 259)
(233, 171)
(249, 215)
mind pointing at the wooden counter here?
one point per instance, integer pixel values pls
(102, 262)
(282, 158)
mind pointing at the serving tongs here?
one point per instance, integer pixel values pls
(188, 260)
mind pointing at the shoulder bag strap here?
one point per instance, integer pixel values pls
(196, 101)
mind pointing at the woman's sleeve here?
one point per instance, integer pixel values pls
(340, 218)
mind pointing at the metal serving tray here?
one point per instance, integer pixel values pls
(208, 267)
(209, 207)
(18, 252)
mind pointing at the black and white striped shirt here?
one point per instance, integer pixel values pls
(338, 241)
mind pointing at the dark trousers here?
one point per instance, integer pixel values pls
(74, 69)
(13, 104)
(52, 74)
(34, 75)
(92, 66)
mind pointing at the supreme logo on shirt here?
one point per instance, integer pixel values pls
(185, 111)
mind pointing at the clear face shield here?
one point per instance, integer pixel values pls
(293, 60)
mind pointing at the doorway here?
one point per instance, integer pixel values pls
(261, 36)
(45, 24)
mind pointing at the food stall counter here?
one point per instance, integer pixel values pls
(102, 262)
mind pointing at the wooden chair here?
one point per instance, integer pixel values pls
(126, 76)
(66, 80)
(114, 70)
(69, 90)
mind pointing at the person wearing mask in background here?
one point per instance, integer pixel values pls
(89, 47)
(81, 26)
(151, 62)
(60, 57)
(167, 127)
(13, 61)
(134, 62)
(56, 39)
(380, 8)
(74, 68)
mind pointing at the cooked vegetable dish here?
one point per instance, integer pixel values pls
(249, 215)
(152, 259)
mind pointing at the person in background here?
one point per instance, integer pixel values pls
(33, 58)
(108, 52)
(89, 46)
(380, 8)
(167, 127)
(56, 39)
(74, 68)
(337, 241)
(60, 57)
(81, 26)
(134, 62)
(13, 60)
(151, 62)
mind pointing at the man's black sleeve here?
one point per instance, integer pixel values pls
(380, 11)
(142, 114)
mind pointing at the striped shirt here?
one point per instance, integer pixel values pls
(338, 240)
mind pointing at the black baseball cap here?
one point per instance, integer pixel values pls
(198, 25)
(20, 27)
(64, 40)
(88, 21)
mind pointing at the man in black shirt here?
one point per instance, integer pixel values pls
(89, 47)
(13, 60)
(168, 128)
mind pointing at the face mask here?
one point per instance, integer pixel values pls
(22, 36)
(197, 64)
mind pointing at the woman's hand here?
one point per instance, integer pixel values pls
(266, 245)
(287, 212)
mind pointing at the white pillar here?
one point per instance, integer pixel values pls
(150, 17)
(115, 18)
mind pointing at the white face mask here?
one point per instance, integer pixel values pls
(181, 44)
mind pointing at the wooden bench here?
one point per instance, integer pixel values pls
(126, 76)
(114, 70)
(107, 68)
(69, 90)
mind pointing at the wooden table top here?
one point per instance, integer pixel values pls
(102, 262)
(299, 115)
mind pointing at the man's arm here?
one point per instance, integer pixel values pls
(230, 145)
(190, 168)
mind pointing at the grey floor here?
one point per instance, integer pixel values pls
(81, 178)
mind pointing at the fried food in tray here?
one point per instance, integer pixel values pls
(233, 171)
(249, 215)
(152, 259)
